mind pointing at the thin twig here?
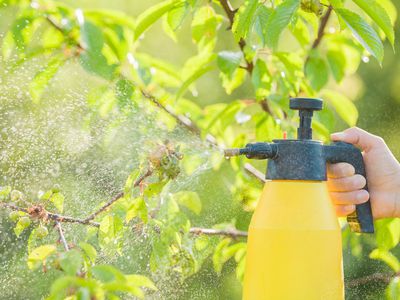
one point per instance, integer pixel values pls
(50, 215)
(62, 237)
(321, 30)
(118, 196)
(62, 31)
(182, 120)
(234, 233)
(59, 219)
(230, 13)
(254, 172)
(375, 277)
(322, 26)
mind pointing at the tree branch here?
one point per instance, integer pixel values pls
(230, 13)
(118, 196)
(234, 233)
(62, 237)
(59, 219)
(33, 213)
(182, 120)
(321, 30)
(375, 277)
(254, 172)
(322, 26)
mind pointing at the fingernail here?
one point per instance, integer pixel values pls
(361, 196)
(338, 136)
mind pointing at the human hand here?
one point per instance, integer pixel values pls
(383, 175)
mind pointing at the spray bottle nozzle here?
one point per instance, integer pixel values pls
(254, 151)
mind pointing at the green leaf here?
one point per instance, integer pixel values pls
(71, 261)
(205, 24)
(17, 30)
(107, 273)
(377, 13)
(7, 45)
(119, 286)
(154, 188)
(140, 280)
(124, 90)
(92, 59)
(196, 75)
(138, 208)
(260, 77)
(39, 254)
(260, 22)
(228, 61)
(190, 200)
(337, 63)
(393, 289)
(152, 14)
(224, 251)
(387, 233)
(244, 19)
(386, 257)
(363, 32)
(5, 191)
(89, 250)
(110, 229)
(43, 77)
(176, 16)
(237, 79)
(343, 106)
(278, 21)
(301, 32)
(336, 3)
(58, 201)
(111, 16)
(316, 71)
(218, 257)
(21, 225)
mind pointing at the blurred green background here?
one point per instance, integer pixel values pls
(41, 146)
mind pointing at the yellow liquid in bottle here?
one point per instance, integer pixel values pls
(294, 249)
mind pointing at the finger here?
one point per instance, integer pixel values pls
(358, 137)
(346, 184)
(340, 170)
(348, 198)
(344, 210)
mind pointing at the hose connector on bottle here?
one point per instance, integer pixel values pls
(254, 151)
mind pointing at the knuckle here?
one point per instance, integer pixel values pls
(358, 181)
(353, 129)
(347, 169)
(379, 140)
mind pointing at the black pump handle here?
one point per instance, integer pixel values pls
(361, 220)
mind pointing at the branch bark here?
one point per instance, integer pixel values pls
(50, 215)
(62, 237)
(234, 233)
(230, 13)
(118, 196)
(375, 277)
(322, 26)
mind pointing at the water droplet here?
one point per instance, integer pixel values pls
(365, 59)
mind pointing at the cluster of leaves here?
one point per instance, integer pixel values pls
(280, 48)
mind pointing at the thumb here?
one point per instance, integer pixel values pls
(358, 137)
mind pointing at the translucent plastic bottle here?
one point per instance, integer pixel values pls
(294, 248)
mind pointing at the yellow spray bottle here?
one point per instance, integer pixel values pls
(294, 247)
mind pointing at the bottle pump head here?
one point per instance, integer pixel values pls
(306, 107)
(305, 159)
